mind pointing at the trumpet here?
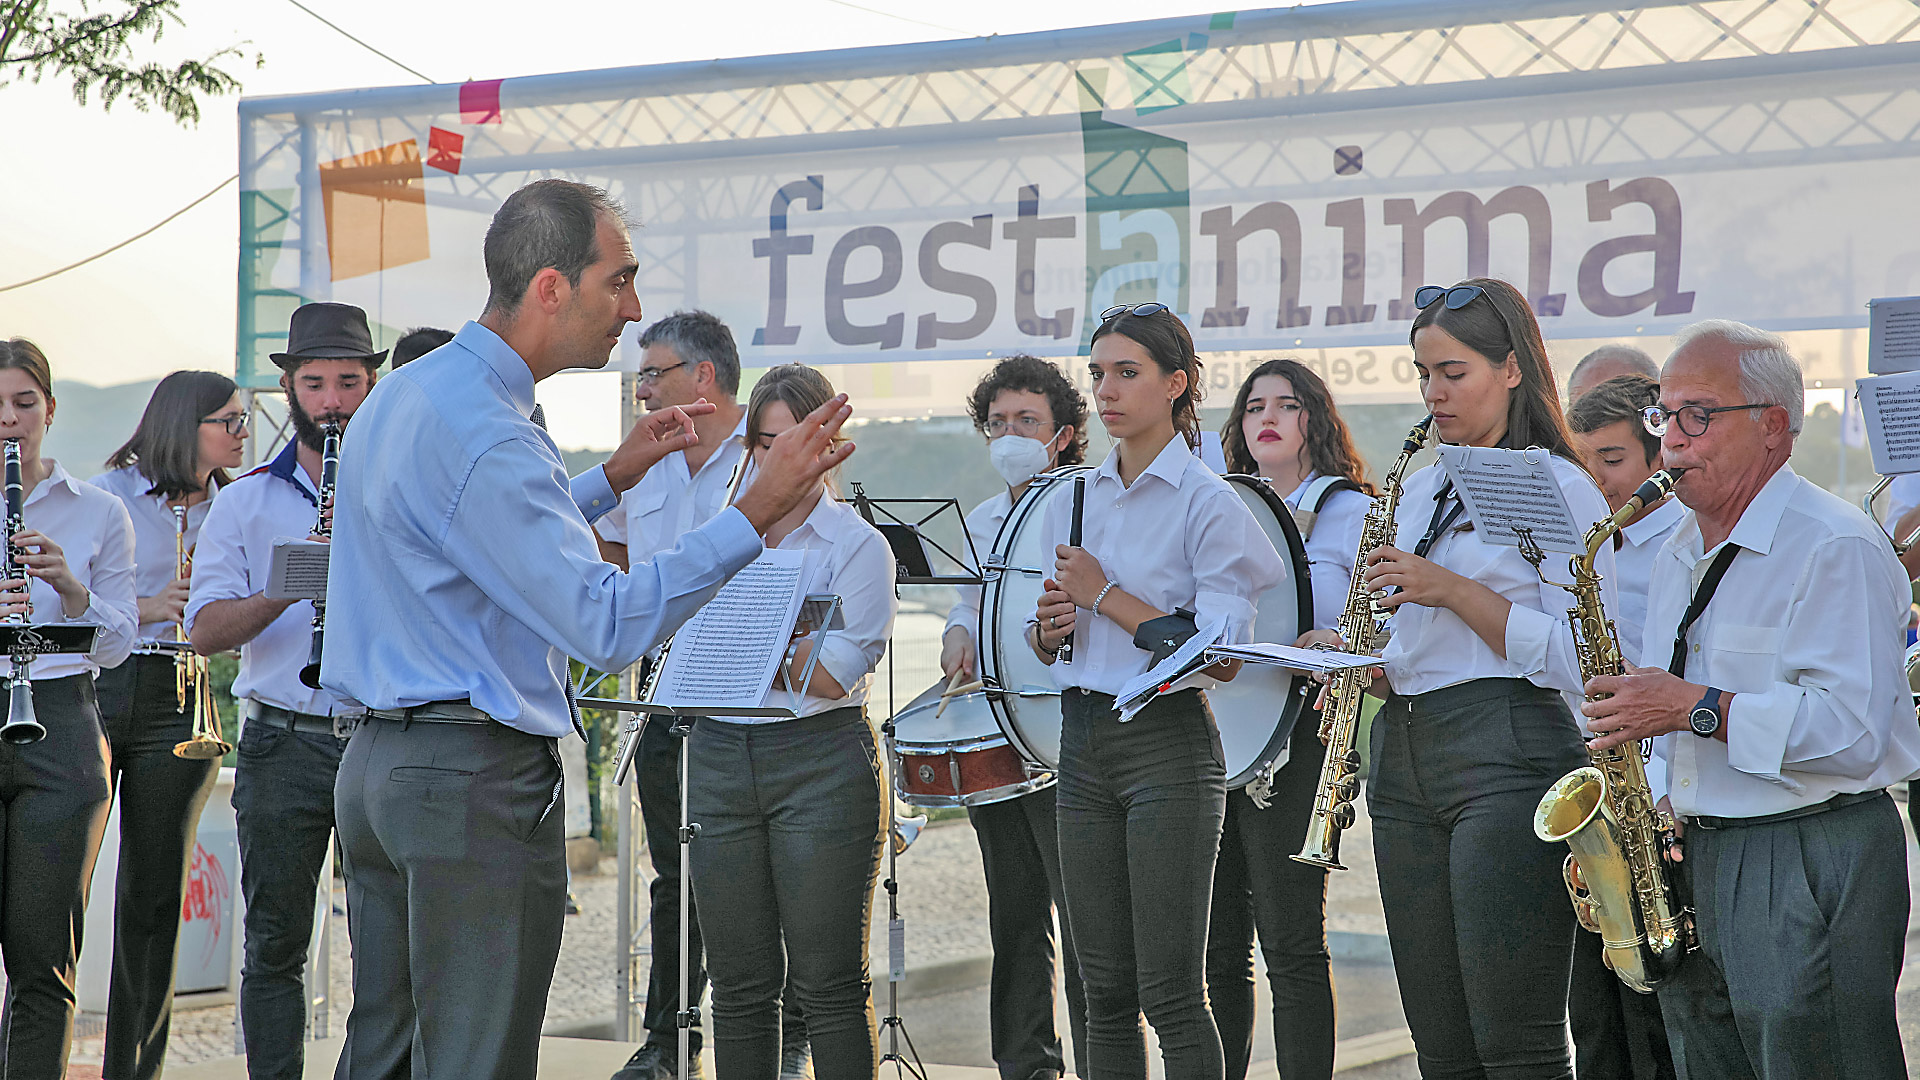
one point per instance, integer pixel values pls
(21, 727)
(190, 675)
(329, 472)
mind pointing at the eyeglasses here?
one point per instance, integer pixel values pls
(235, 425)
(1693, 418)
(1024, 426)
(652, 374)
(1142, 310)
(1457, 297)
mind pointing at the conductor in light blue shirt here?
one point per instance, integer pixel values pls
(467, 574)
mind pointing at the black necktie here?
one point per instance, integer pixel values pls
(539, 418)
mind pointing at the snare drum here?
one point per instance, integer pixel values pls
(958, 758)
(1255, 712)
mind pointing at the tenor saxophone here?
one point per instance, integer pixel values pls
(1360, 627)
(1616, 874)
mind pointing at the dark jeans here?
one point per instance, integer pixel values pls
(161, 797)
(1140, 807)
(1802, 927)
(657, 773)
(1020, 851)
(1477, 913)
(1617, 1033)
(1257, 885)
(455, 845)
(791, 818)
(283, 808)
(53, 810)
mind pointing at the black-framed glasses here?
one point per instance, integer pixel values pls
(1025, 426)
(1693, 418)
(1457, 297)
(1142, 310)
(652, 374)
(235, 425)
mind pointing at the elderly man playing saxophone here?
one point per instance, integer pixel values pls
(1774, 690)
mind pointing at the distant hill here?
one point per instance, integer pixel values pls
(90, 422)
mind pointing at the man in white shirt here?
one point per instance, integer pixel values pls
(1774, 683)
(1618, 1032)
(688, 356)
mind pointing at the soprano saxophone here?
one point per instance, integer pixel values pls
(1617, 874)
(1360, 627)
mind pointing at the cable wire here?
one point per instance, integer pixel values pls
(343, 33)
(123, 243)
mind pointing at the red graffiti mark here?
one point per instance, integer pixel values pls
(208, 895)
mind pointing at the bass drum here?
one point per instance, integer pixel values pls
(1255, 712)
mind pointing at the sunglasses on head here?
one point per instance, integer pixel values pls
(1142, 310)
(1457, 297)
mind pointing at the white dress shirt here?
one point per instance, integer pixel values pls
(1807, 631)
(669, 501)
(1902, 496)
(1332, 548)
(96, 537)
(154, 530)
(233, 561)
(849, 558)
(983, 525)
(1434, 648)
(1640, 542)
(1179, 537)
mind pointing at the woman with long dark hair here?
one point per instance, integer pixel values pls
(192, 433)
(1284, 429)
(1167, 547)
(77, 551)
(792, 812)
(1477, 723)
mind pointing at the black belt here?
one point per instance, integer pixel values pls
(1835, 803)
(305, 723)
(433, 712)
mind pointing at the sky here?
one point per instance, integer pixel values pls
(81, 178)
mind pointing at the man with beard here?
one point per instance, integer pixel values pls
(291, 742)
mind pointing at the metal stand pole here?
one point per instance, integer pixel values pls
(892, 1023)
(689, 1013)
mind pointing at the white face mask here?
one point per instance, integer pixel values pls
(1019, 459)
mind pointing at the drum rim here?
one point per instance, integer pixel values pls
(1297, 697)
(1017, 515)
(1004, 793)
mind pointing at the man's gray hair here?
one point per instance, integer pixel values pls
(1769, 375)
(697, 336)
(549, 223)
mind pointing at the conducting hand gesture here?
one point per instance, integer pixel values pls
(794, 463)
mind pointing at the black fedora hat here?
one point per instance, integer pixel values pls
(327, 331)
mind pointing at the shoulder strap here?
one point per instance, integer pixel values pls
(1698, 606)
(1315, 497)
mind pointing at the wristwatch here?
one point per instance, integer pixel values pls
(1705, 719)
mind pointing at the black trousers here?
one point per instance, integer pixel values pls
(53, 810)
(1802, 927)
(792, 815)
(1140, 806)
(1477, 914)
(1617, 1032)
(1020, 852)
(1258, 886)
(454, 838)
(283, 810)
(161, 797)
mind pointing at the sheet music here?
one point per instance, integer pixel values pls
(1893, 334)
(1169, 674)
(1503, 488)
(1890, 406)
(726, 654)
(1287, 656)
(299, 570)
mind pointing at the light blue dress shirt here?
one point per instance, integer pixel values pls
(463, 566)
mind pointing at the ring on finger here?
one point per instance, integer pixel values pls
(1053, 623)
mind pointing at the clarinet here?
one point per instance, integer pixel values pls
(21, 727)
(329, 472)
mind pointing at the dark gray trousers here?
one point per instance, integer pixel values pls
(1140, 805)
(1802, 925)
(454, 842)
(791, 818)
(1020, 852)
(1477, 913)
(1617, 1033)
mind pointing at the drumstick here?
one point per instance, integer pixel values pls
(954, 690)
(1073, 540)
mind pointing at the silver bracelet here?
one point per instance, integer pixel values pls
(1103, 595)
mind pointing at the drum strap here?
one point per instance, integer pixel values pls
(1311, 500)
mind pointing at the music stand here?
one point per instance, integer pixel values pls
(823, 612)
